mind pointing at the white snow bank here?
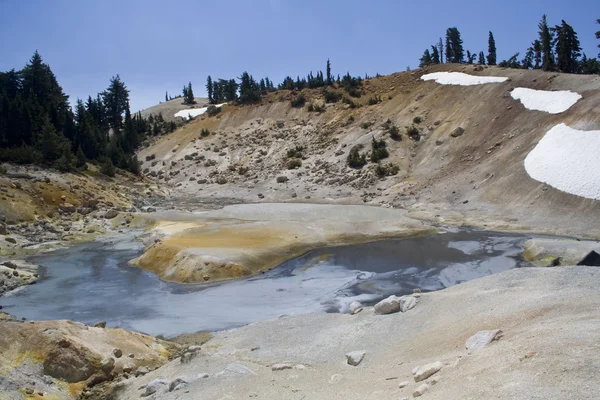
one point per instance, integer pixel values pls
(543, 100)
(458, 78)
(194, 112)
(567, 159)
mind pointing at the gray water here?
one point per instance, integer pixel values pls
(92, 282)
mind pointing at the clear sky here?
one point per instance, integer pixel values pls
(158, 46)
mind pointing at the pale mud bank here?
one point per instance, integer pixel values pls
(538, 310)
(244, 240)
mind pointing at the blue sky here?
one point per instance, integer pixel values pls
(161, 45)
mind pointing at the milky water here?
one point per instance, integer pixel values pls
(92, 282)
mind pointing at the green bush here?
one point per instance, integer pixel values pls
(331, 96)
(413, 133)
(299, 101)
(294, 163)
(349, 101)
(213, 110)
(355, 159)
(295, 152)
(374, 100)
(417, 120)
(107, 168)
(316, 107)
(365, 125)
(354, 92)
(204, 132)
(388, 169)
(350, 119)
(395, 133)
(378, 150)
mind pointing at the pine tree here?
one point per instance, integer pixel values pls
(329, 77)
(481, 60)
(567, 48)
(454, 46)
(166, 96)
(435, 55)
(598, 35)
(527, 62)
(546, 39)
(441, 51)
(209, 90)
(536, 46)
(116, 100)
(491, 57)
(188, 95)
(425, 59)
(80, 163)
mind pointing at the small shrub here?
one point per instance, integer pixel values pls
(316, 107)
(295, 152)
(350, 119)
(378, 150)
(355, 159)
(413, 133)
(374, 100)
(354, 92)
(294, 163)
(388, 169)
(331, 96)
(204, 132)
(107, 168)
(349, 101)
(395, 133)
(365, 125)
(213, 110)
(417, 120)
(299, 101)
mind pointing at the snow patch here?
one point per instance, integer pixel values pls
(567, 159)
(544, 100)
(458, 78)
(194, 112)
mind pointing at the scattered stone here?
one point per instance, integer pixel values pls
(187, 357)
(407, 303)
(355, 357)
(141, 371)
(439, 142)
(178, 383)
(29, 391)
(261, 196)
(236, 370)
(403, 384)
(194, 348)
(107, 365)
(156, 385)
(355, 307)
(10, 240)
(387, 306)
(281, 367)
(100, 325)
(457, 132)
(482, 339)
(421, 390)
(110, 214)
(426, 371)
(117, 353)
(282, 179)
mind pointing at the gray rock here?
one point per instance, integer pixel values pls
(420, 391)
(387, 306)
(403, 384)
(457, 132)
(117, 353)
(156, 386)
(110, 214)
(426, 371)
(281, 367)
(236, 370)
(407, 303)
(107, 365)
(11, 240)
(355, 357)
(482, 339)
(141, 371)
(178, 383)
(355, 307)
(282, 179)
(187, 357)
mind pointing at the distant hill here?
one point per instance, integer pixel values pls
(170, 108)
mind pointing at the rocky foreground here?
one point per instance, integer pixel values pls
(523, 334)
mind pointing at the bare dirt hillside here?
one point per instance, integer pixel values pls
(477, 178)
(169, 108)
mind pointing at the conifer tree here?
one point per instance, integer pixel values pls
(527, 62)
(598, 35)
(435, 55)
(454, 46)
(166, 96)
(567, 48)
(546, 39)
(116, 100)
(329, 77)
(491, 57)
(425, 59)
(188, 95)
(536, 46)
(481, 59)
(209, 90)
(441, 50)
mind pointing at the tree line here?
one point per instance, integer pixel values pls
(557, 48)
(38, 126)
(249, 90)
